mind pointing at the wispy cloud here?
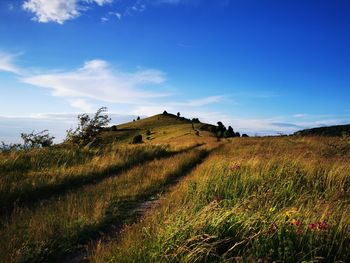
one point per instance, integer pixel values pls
(96, 80)
(59, 11)
(7, 63)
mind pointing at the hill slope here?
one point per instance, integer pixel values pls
(338, 130)
(160, 128)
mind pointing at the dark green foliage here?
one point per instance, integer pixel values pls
(245, 135)
(37, 140)
(195, 120)
(237, 134)
(178, 114)
(88, 128)
(165, 112)
(137, 139)
(338, 130)
(138, 118)
(114, 128)
(229, 133)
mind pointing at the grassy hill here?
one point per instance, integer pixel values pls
(337, 130)
(161, 128)
(181, 196)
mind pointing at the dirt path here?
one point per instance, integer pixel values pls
(134, 211)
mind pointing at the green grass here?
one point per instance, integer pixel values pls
(282, 199)
(254, 199)
(39, 174)
(58, 226)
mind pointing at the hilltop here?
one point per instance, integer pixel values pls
(160, 128)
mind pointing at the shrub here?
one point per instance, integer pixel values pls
(165, 112)
(178, 114)
(138, 118)
(88, 128)
(137, 139)
(245, 135)
(195, 120)
(229, 133)
(37, 140)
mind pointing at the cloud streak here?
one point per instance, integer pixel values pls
(7, 63)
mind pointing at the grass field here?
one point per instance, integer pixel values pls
(282, 199)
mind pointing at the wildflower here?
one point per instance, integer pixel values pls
(272, 209)
(299, 231)
(312, 226)
(296, 222)
(322, 225)
(235, 167)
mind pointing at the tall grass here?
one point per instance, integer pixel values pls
(61, 225)
(258, 199)
(27, 177)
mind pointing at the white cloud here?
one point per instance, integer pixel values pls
(98, 81)
(7, 63)
(58, 11)
(82, 105)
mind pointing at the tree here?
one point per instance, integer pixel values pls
(138, 118)
(229, 132)
(165, 112)
(37, 140)
(245, 135)
(88, 128)
(178, 114)
(195, 120)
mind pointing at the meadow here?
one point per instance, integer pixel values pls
(253, 200)
(180, 196)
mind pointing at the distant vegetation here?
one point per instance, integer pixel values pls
(338, 130)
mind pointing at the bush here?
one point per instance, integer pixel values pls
(195, 120)
(138, 118)
(10, 147)
(245, 135)
(165, 112)
(37, 140)
(137, 139)
(88, 128)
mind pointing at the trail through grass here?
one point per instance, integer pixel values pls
(61, 225)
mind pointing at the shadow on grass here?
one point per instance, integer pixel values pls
(30, 197)
(125, 211)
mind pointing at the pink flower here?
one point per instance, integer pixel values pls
(322, 225)
(312, 226)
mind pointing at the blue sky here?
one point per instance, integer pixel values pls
(262, 66)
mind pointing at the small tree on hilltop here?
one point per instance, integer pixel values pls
(138, 118)
(88, 128)
(165, 112)
(229, 132)
(178, 114)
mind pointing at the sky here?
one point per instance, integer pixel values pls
(265, 67)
